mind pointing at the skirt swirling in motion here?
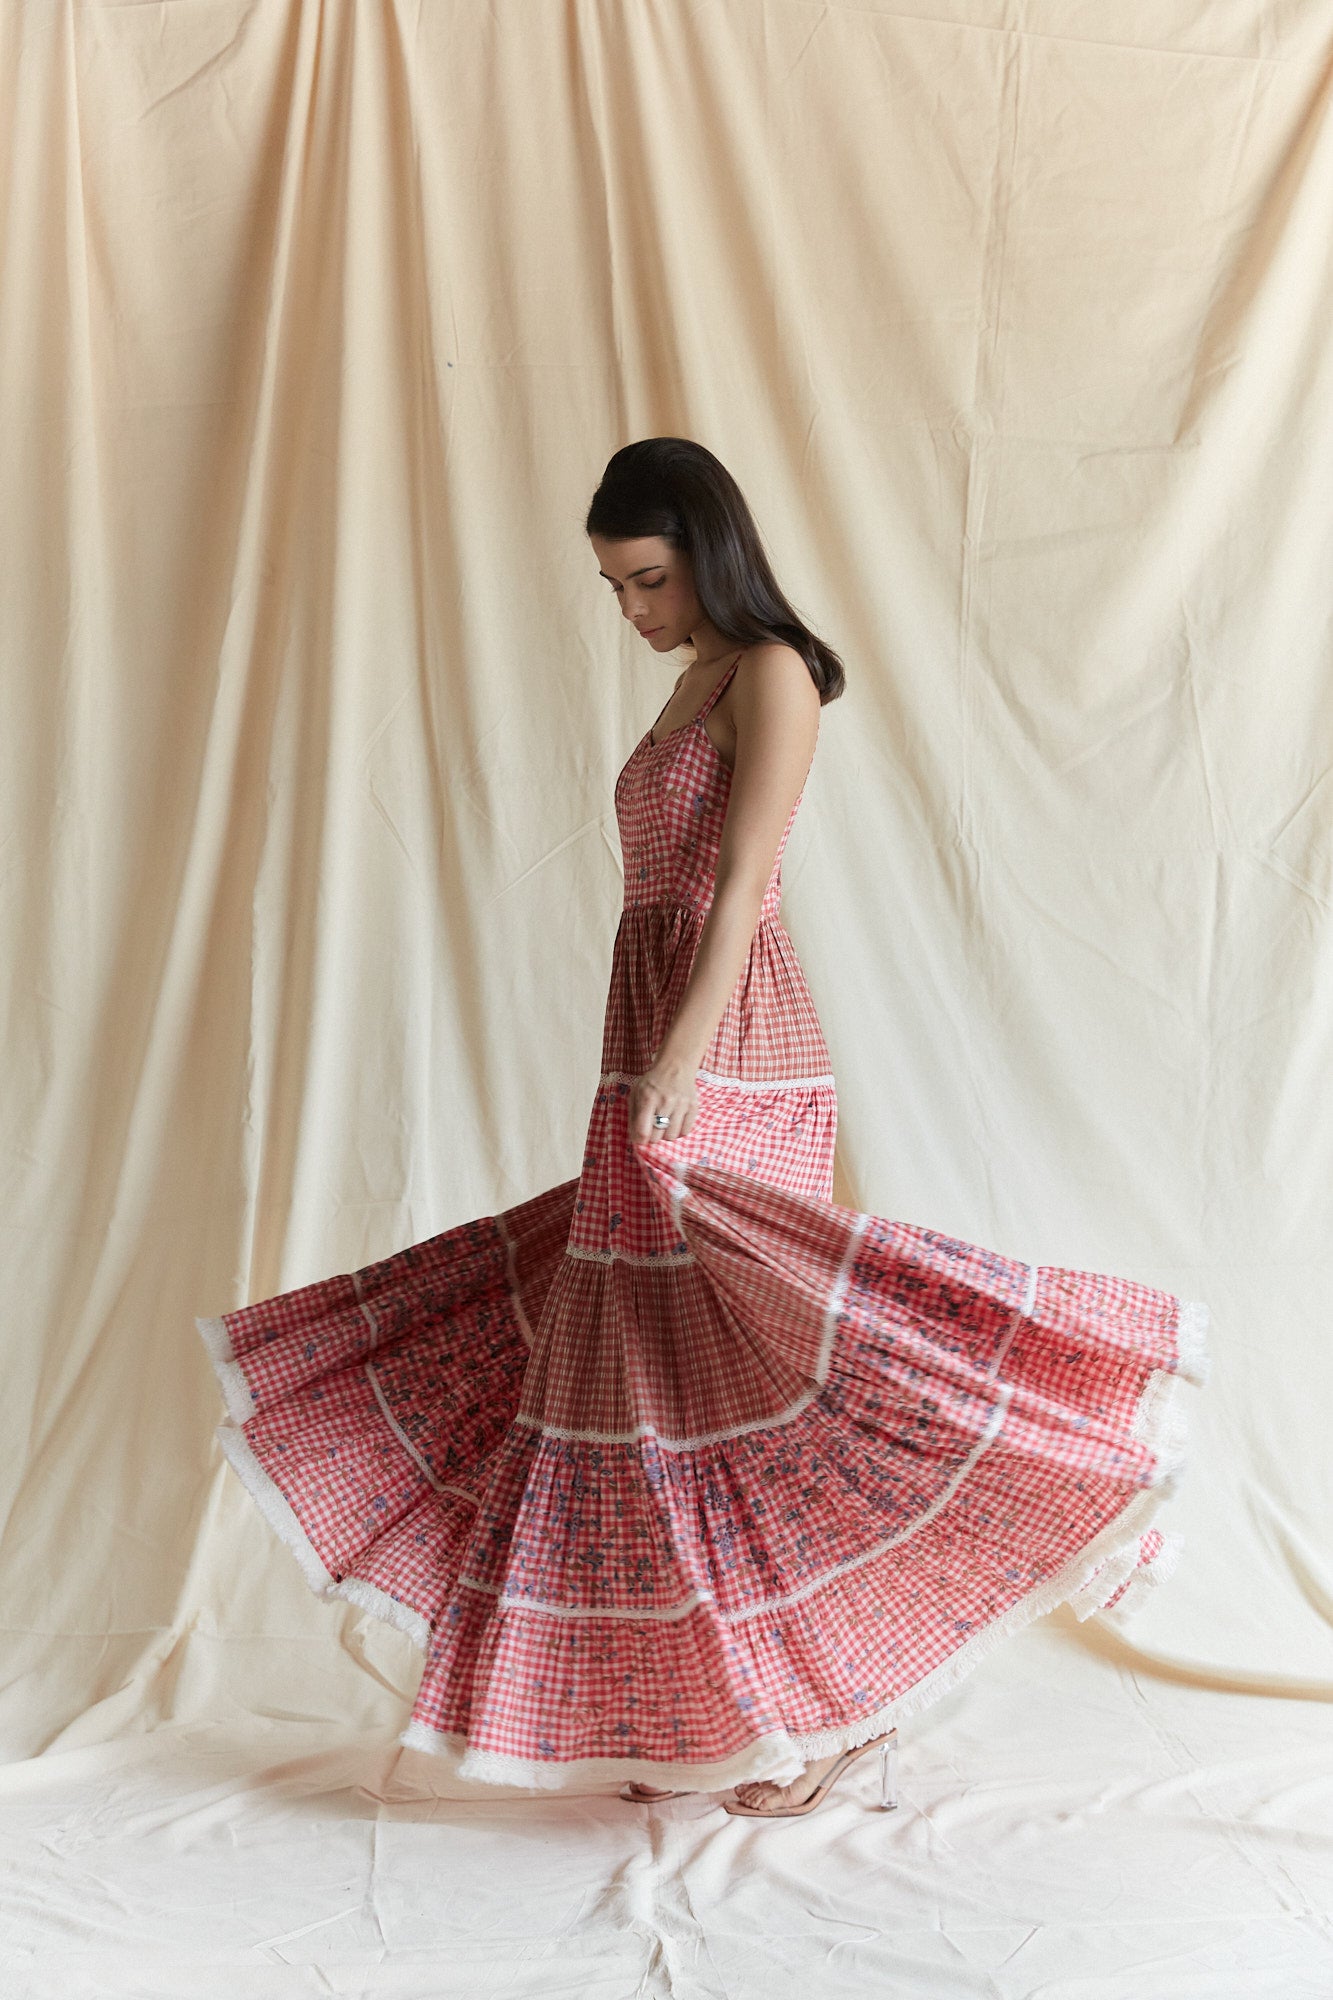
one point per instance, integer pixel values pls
(679, 1470)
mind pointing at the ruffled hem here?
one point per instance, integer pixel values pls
(1195, 1362)
(1085, 1582)
(767, 1757)
(236, 1392)
(278, 1512)
(1108, 1574)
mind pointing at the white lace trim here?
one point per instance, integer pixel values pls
(1105, 1580)
(670, 1614)
(1194, 1360)
(767, 1757)
(440, 1485)
(366, 1312)
(368, 1597)
(837, 1294)
(1160, 1423)
(273, 1505)
(277, 1511)
(368, 1368)
(662, 1260)
(237, 1394)
(510, 1242)
(645, 1430)
(718, 1082)
(679, 1190)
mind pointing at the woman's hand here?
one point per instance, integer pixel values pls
(668, 1089)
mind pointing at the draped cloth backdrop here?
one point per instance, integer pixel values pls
(317, 325)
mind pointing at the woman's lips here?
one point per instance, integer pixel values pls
(651, 635)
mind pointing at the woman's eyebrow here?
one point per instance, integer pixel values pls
(634, 572)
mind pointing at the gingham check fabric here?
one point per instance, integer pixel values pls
(680, 1467)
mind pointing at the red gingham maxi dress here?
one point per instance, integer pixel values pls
(678, 1470)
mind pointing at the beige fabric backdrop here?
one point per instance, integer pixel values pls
(317, 325)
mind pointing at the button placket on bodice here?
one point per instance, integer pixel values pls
(671, 803)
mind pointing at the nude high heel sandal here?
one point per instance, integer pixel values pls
(644, 1795)
(888, 1773)
(888, 1783)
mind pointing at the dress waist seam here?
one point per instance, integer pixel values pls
(690, 909)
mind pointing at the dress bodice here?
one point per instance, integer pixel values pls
(671, 803)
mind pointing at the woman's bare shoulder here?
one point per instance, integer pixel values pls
(773, 671)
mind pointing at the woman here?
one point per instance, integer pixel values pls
(680, 1473)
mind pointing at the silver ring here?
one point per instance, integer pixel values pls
(660, 1120)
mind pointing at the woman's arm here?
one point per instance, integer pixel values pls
(775, 706)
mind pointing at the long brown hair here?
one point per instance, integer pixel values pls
(674, 488)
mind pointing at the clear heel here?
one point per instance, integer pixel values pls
(888, 1772)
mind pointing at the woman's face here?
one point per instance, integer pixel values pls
(655, 585)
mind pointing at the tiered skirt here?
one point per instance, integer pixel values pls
(739, 1496)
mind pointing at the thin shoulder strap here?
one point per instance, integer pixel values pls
(720, 685)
